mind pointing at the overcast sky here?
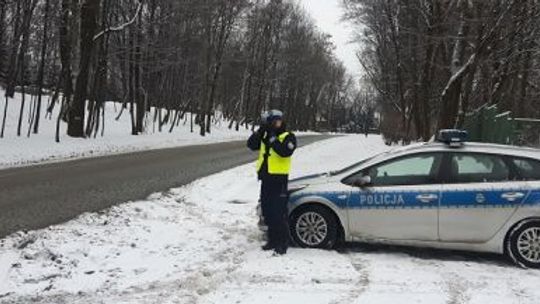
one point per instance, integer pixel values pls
(327, 14)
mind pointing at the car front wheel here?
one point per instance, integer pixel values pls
(314, 227)
(523, 244)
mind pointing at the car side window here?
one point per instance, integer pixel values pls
(528, 169)
(412, 170)
(478, 168)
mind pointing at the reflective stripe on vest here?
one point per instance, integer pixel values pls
(276, 163)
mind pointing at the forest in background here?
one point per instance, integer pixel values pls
(433, 61)
(163, 59)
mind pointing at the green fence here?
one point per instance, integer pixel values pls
(488, 125)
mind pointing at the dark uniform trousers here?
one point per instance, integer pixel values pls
(274, 200)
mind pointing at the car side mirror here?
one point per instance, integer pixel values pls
(362, 181)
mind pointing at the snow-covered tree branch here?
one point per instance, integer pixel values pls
(123, 26)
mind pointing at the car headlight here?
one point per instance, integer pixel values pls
(296, 187)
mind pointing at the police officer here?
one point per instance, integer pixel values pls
(276, 146)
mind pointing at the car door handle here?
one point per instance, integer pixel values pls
(427, 198)
(512, 196)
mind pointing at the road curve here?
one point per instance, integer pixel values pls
(43, 195)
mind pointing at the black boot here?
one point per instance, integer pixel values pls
(280, 250)
(268, 246)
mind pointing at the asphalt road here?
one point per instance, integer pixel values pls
(39, 196)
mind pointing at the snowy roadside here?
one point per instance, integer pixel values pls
(39, 148)
(200, 244)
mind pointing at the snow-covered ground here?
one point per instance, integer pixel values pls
(16, 151)
(200, 244)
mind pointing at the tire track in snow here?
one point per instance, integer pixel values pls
(361, 285)
(6, 262)
(456, 287)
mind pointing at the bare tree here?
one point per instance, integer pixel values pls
(431, 62)
(184, 61)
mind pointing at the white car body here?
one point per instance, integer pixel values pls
(472, 216)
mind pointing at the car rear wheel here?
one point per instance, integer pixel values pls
(314, 227)
(523, 244)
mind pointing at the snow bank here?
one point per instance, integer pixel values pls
(200, 244)
(16, 151)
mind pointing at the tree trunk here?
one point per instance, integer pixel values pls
(41, 71)
(139, 96)
(28, 12)
(89, 13)
(65, 54)
(3, 50)
(15, 45)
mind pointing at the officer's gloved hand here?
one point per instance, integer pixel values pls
(271, 137)
(262, 129)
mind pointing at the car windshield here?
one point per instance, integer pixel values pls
(355, 165)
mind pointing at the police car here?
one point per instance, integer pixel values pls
(448, 194)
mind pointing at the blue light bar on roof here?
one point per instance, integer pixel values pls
(453, 137)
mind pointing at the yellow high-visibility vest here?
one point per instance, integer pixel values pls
(276, 163)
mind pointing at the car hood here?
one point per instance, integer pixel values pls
(310, 179)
